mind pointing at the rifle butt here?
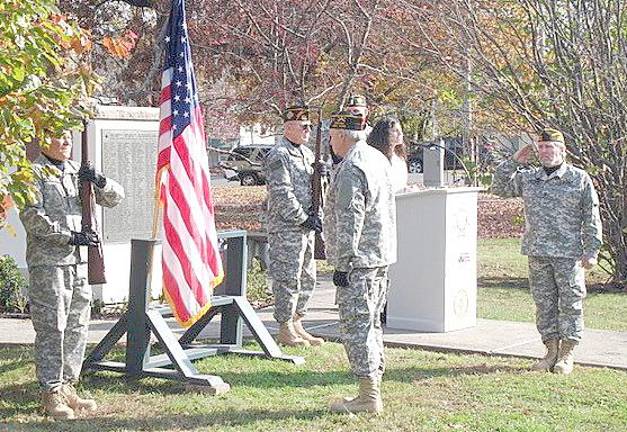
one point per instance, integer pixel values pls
(319, 248)
(95, 265)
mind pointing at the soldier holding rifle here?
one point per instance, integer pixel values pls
(291, 222)
(59, 294)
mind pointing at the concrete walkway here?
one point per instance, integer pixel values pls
(599, 348)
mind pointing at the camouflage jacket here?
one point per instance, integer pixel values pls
(288, 172)
(56, 212)
(561, 210)
(360, 211)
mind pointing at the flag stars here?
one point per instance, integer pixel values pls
(183, 39)
(179, 83)
(175, 112)
(177, 98)
(182, 54)
(186, 114)
(180, 68)
(167, 39)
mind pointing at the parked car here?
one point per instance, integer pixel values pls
(238, 166)
(454, 150)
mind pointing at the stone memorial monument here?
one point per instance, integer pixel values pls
(124, 141)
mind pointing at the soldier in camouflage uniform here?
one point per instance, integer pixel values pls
(59, 296)
(360, 228)
(562, 238)
(291, 226)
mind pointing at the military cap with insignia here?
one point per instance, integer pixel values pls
(357, 101)
(296, 112)
(551, 135)
(347, 121)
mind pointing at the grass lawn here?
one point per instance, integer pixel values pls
(504, 290)
(422, 391)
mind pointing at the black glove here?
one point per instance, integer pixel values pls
(340, 279)
(313, 223)
(84, 239)
(88, 173)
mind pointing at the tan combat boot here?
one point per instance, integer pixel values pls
(288, 336)
(75, 401)
(547, 363)
(368, 400)
(300, 331)
(56, 405)
(565, 361)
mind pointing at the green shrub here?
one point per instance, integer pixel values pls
(12, 286)
(257, 290)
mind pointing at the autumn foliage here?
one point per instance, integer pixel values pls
(42, 80)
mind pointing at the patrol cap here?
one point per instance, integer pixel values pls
(347, 121)
(357, 101)
(551, 135)
(296, 112)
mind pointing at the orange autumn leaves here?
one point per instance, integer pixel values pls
(120, 46)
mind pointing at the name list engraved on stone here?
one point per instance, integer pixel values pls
(130, 157)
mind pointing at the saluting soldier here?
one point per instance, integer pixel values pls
(291, 227)
(360, 228)
(562, 238)
(59, 295)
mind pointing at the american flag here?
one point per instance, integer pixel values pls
(191, 261)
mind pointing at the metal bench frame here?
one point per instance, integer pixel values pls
(141, 320)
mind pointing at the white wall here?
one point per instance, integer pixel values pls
(13, 239)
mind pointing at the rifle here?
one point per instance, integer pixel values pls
(95, 257)
(318, 187)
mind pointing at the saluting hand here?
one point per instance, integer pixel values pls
(524, 154)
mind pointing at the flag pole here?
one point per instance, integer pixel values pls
(156, 211)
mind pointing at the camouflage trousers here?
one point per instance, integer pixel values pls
(293, 272)
(360, 305)
(558, 289)
(59, 304)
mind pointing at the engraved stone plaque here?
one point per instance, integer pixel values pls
(130, 157)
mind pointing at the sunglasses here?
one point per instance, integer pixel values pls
(306, 126)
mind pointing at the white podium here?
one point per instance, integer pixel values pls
(434, 282)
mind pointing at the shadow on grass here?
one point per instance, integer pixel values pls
(171, 422)
(262, 379)
(417, 374)
(300, 379)
(503, 282)
(24, 398)
(14, 364)
(18, 357)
